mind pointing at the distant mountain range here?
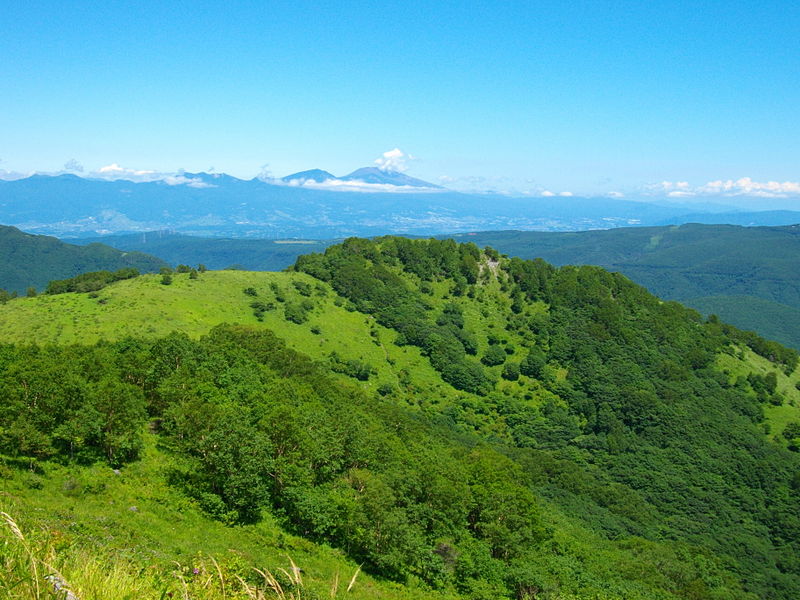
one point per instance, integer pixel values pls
(316, 204)
(369, 175)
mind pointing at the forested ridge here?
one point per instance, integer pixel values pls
(746, 275)
(507, 429)
(30, 261)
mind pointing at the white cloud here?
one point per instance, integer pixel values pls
(744, 186)
(615, 195)
(355, 185)
(115, 172)
(192, 182)
(73, 166)
(548, 194)
(394, 160)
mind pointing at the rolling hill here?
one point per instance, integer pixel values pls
(746, 275)
(462, 424)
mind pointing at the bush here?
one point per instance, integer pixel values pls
(295, 313)
(533, 365)
(511, 371)
(494, 356)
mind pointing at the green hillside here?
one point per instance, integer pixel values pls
(28, 260)
(459, 424)
(746, 275)
(713, 268)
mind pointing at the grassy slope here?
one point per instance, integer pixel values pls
(135, 519)
(144, 306)
(94, 504)
(777, 417)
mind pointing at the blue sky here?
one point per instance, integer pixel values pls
(580, 97)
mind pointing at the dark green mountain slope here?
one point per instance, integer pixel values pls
(215, 253)
(34, 260)
(770, 319)
(485, 427)
(715, 263)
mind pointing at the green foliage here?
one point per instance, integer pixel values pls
(363, 271)
(792, 430)
(58, 403)
(89, 282)
(259, 308)
(746, 275)
(28, 260)
(511, 371)
(624, 464)
(533, 364)
(296, 313)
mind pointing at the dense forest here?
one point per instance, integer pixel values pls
(565, 435)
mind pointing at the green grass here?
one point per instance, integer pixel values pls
(143, 307)
(131, 535)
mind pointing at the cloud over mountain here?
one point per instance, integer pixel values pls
(744, 186)
(394, 160)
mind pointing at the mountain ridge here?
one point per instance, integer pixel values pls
(29, 260)
(223, 206)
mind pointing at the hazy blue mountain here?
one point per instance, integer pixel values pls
(34, 260)
(219, 205)
(768, 218)
(380, 176)
(317, 175)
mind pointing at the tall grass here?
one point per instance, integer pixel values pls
(31, 568)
